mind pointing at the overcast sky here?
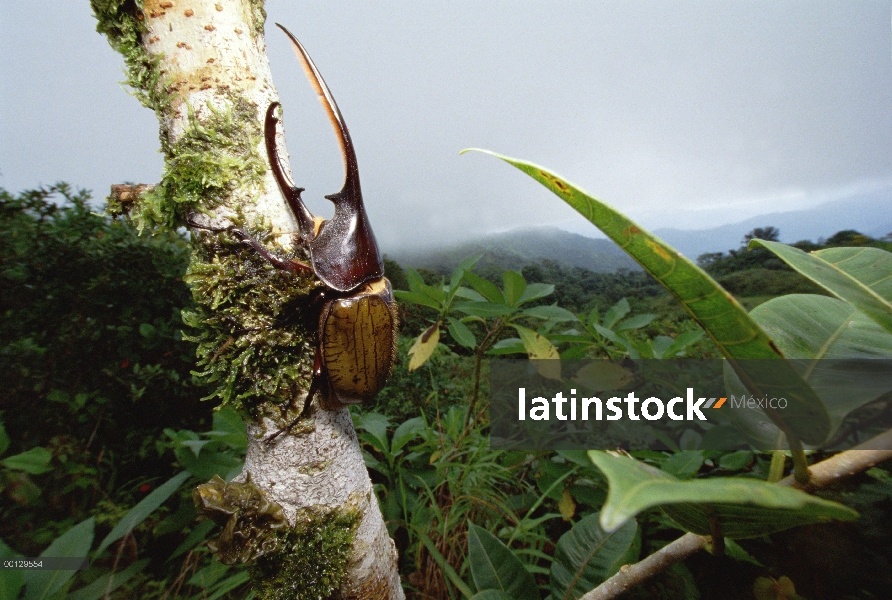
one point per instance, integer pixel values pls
(685, 114)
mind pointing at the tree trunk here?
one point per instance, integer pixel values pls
(202, 66)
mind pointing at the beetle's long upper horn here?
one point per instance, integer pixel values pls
(351, 181)
(344, 252)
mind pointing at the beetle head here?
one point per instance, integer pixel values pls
(343, 251)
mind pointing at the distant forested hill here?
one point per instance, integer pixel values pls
(522, 247)
(867, 213)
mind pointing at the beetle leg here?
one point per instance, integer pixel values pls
(315, 385)
(291, 266)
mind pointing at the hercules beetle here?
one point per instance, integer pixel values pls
(357, 322)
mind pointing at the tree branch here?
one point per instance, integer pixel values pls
(201, 65)
(837, 467)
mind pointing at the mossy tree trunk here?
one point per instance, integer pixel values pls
(304, 509)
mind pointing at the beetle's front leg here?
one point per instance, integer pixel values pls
(291, 266)
(316, 384)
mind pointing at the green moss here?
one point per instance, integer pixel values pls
(253, 323)
(258, 16)
(310, 560)
(307, 561)
(121, 22)
(212, 159)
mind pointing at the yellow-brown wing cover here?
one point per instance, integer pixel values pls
(358, 335)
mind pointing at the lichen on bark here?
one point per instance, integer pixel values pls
(249, 519)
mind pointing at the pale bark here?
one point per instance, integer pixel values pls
(209, 51)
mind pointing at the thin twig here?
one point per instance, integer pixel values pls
(845, 464)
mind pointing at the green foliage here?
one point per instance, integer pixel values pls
(724, 507)
(445, 380)
(396, 274)
(94, 368)
(434, 473)
(143, 522)
(758, 281)
(75, 542)
(578, 289)
(433, 478)
(495, 567)
(720, 315)
(587, 555)
(859, 276)
(738, 507)
(615, 335)
(810, 327)
(484, 305)
(219, 452)
(89, 341)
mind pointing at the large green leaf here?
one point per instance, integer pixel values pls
(586, 556)
(75, 542)
(485, 287)
(720, 315)
(229, 428)
(4, 439)
(860, 276)
(376, 425)
(491, 595)
(107, 583)
(534, 291)
(227, 585)
(495, 567)
(11, 580)
(515, 286)
(821, 335)
(11, 583)
(461, 334)
(34, 461)
(207, 463)
(143, 509)
(417, 299)
(742, 508)
(406, 432)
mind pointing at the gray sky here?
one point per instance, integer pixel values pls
(683, 114)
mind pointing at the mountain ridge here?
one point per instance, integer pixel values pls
(869, 214)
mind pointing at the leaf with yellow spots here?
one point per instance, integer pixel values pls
(424, 346)
(567, 505)
(541, 351)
